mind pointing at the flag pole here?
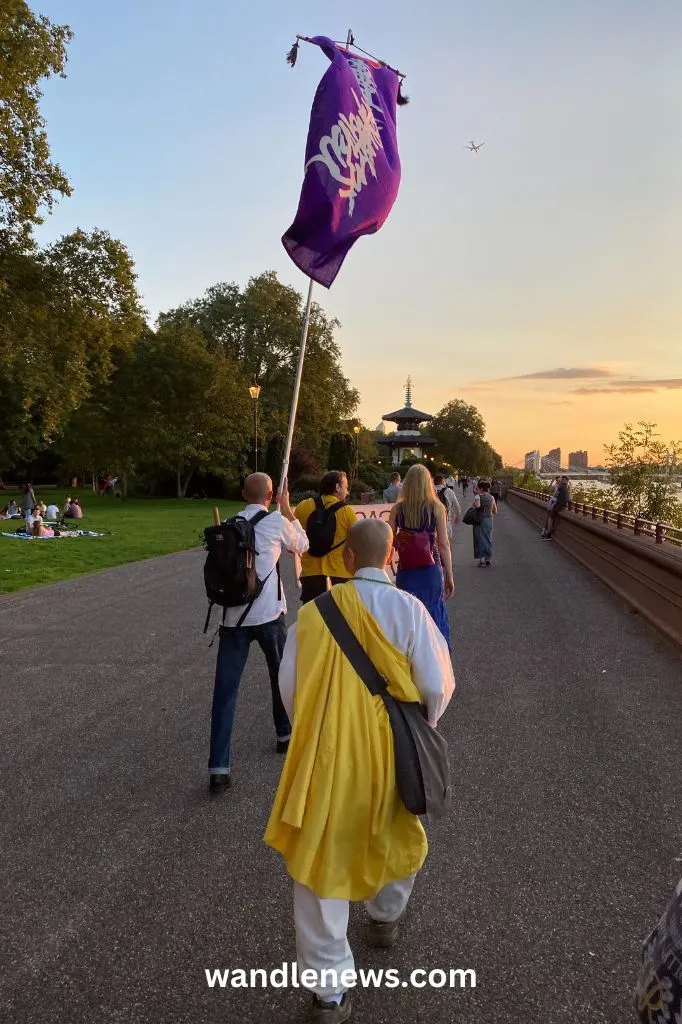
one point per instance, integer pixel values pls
(297, 386)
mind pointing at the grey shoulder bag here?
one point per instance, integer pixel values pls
(422, 768)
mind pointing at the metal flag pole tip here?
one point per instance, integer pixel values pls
(292, 57)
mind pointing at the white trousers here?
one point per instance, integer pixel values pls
(322, 924)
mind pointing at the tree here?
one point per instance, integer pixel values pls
(31, 49)
(66, 315)
(342, 453)
(197, 405)
(459, 430)
(641, 469)
(274, 456)
(259, 328)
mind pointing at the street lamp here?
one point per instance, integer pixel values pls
(254, 391)
(356, 431)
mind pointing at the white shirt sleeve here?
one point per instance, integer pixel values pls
(454, 505)
(294, 537)
(287, 672)
(430, 664)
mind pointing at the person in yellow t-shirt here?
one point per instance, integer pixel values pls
(317, 568)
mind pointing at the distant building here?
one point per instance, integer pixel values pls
(551, 462)
(407, 441)
(533, 461)
(577, 460)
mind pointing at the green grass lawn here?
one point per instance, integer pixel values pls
(138, 527)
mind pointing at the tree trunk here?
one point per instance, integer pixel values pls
(186, 483)
(124, 485)
(178, 480)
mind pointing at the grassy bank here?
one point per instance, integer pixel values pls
(136, 529)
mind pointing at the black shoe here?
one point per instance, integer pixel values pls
(219, 783)
(333, 1013)
(383, 933)
(283, 746)
(487, 561)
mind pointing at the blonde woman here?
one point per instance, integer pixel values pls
(419, 523)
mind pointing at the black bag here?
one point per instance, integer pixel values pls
(230, 566)
(443, 499)
(472, 516)
(422, 768)
(321, 528)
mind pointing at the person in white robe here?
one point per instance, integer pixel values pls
(344, 833)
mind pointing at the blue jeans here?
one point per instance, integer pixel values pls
(233, 651)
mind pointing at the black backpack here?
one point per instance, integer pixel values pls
(230, 566)
(441, 495)
(321, 528)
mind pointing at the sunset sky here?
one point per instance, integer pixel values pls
(539, 279)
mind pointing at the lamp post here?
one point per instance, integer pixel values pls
(254, 391)
(356, 431)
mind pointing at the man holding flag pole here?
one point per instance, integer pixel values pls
(338, 819)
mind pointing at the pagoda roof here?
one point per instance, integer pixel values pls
(407, 413)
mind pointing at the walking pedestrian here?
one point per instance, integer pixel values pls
(448, 498)
(338, 820)
(424, 560)
(483, 531)
(263, 622)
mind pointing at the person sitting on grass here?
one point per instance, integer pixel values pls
(66, 506)
(39, 530)
(74, 511)
(52, 511)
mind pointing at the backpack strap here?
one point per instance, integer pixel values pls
(251, 603)
(335, 508)
(338, 626)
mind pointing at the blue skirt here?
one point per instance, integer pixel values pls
(427, 585)
(483, 538)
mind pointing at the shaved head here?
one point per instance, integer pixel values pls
(369, 543)
(257, 489)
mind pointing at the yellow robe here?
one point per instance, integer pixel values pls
(337, 818)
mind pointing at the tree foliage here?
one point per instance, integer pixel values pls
(259, 328)
(67, 313)
(31, 49)
(342, 453)
(460, 432)
(641, 469)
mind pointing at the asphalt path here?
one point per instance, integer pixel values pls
(122, 881)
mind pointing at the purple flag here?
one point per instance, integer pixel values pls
(352, 167)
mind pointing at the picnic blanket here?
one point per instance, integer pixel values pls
(63, 533)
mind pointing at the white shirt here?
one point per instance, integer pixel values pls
(453, 510)
(52, 512)
(407, 625)
(272, 534)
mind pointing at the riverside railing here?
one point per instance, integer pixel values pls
(661, 533)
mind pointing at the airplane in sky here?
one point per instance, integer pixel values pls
(473, 147)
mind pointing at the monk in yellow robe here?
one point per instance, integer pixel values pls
(337, 818)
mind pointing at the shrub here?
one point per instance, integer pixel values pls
(305, 483)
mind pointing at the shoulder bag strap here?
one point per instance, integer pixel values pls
(337, 625)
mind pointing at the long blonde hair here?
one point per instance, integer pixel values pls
(418, 495)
